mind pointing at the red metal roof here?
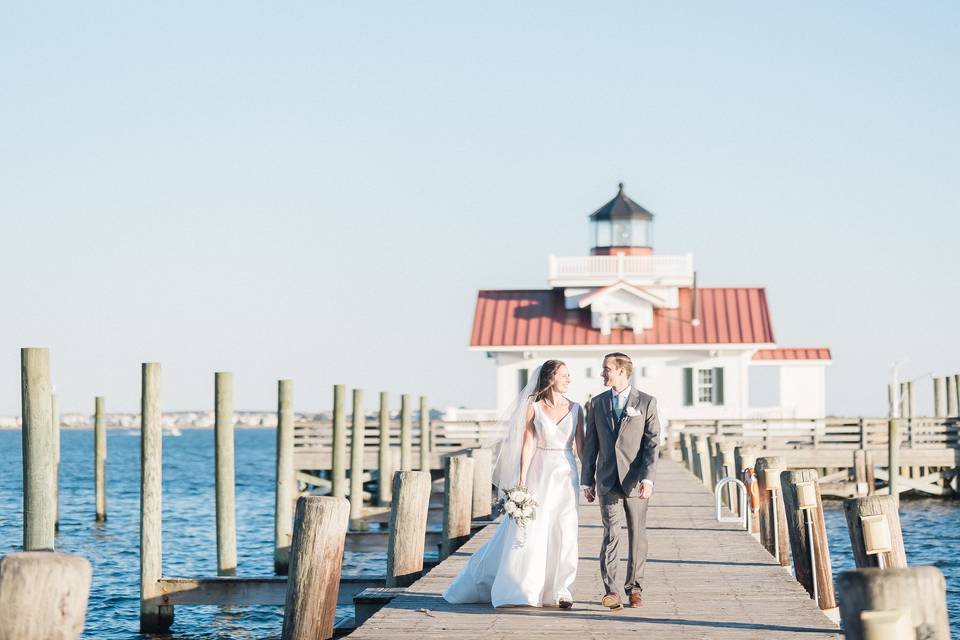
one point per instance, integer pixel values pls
(538, 318)
(818, 353)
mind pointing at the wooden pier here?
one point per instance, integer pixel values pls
(703, 579)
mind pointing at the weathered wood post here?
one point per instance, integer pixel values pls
(894, 603)
(356, 460)
(408, 527)
(939, 397)
(384, 459)
(871, 469)
(772, 514)
(704, 472)
(225, 475)
(482, 482)
(55, 418)
(860, 472)
(808, 535)
(43, 595)
(912, 400)
(893, 455)
(728, 469)
(100, 459)
(875, 535)
(406, 437)
(38, 450)
(746, 458)
(154, 618)
(338, 461)
(685, 449)
(319, 532)
(952, 396)
(457, 503)
(286, 486)
(424, 434)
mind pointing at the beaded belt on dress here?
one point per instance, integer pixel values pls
(555, 448)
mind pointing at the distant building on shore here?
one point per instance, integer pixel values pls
(703, 352)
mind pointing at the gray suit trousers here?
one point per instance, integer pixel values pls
(616, 510)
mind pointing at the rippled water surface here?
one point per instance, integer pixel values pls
(931, 529)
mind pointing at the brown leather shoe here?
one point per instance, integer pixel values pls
(636, 600)
(612, 601)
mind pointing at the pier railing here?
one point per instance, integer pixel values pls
(825, 433)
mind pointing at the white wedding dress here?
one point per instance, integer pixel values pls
(540, 571)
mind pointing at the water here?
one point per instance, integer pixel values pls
(930, 529)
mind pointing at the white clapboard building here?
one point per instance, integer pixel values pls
(703, 352)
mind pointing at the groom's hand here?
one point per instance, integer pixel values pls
(646, 490)
(590, 494)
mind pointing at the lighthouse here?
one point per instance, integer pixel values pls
(699, 350)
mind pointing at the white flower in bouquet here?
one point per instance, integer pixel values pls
(527, 511)
(510, 508)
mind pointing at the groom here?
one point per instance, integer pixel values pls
(621, 439)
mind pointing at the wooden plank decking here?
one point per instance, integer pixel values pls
(703, 579)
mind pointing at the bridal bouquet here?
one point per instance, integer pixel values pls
(518, 503)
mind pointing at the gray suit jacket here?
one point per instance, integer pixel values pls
(627, 454)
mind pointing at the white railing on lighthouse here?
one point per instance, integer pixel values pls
(599, 270)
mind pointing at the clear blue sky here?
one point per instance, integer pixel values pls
(316, 191)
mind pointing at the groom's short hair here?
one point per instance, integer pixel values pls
(622, 361)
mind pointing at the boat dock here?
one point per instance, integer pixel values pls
(703, 579)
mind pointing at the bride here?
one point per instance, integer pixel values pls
(536, 566)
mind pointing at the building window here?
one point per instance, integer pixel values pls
(705, 386)
(523, 378)
(702, 386)
(620, 321)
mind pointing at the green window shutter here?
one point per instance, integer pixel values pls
(687, 387)
(718, 385)
(523, 378)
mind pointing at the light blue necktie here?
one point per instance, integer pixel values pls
(616, 404)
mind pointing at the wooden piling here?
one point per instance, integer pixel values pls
(772, 513)
(225, 475)
(356, 460)
(912, 400)
(702, 456)
(43, 595)
(865, 512)
(800, 488)
(154, 618)
(894, 603)
(859, 469)
(384, 459)
(55, 420)
(408, 527)
(685, 449)
(286, 485)
(38, 450)
(319, 533)
(424, 434)
(338, 466)
(871, 470)
(100, 460)
(406, 438)
(952, 396)
(940, 397)
(457, 503)
(746, 458)
(727, 468)
(893, 455)
(482, 482)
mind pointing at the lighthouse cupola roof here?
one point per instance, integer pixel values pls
(621, 227)
(621, 208)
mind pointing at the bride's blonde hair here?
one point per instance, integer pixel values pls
(547, 373)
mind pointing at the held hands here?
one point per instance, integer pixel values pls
(646, 490)
(590, 494)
